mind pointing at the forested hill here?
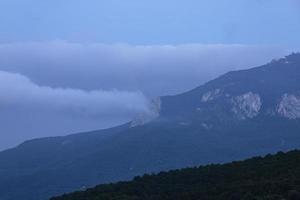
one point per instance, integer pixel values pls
(261, 178)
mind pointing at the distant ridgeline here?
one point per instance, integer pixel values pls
(274, 177)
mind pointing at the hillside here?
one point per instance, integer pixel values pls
(274, 177)
(236, 116)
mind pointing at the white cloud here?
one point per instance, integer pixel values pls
(18, 90)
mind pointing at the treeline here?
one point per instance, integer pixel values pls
(273, 177)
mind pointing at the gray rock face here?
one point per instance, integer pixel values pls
(211, 95)
(154, 112)
(289, 106)
(247, 105)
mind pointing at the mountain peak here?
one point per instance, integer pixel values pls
(269, 90)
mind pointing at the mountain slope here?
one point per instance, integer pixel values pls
(274, 177)
(236, 116)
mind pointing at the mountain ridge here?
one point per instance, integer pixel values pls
(233, 117)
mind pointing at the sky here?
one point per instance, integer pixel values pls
(151, 22)
(72, 66)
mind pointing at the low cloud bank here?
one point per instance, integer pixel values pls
(18, 91)
(154, 70)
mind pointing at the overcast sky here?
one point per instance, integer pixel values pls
(76, 65)
(152, 22)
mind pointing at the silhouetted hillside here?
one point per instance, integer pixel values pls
(274, 177)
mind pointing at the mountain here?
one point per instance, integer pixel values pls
(238, 115)
(274, 177)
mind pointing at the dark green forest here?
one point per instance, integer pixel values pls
(273, 177)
